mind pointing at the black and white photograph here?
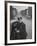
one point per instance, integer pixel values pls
(20, 22)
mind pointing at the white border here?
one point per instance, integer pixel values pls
(8, 23)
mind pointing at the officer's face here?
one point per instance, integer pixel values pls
(20, 20)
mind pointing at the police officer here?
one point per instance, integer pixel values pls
(18, 30)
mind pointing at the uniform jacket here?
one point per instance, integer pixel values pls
(18, 31)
